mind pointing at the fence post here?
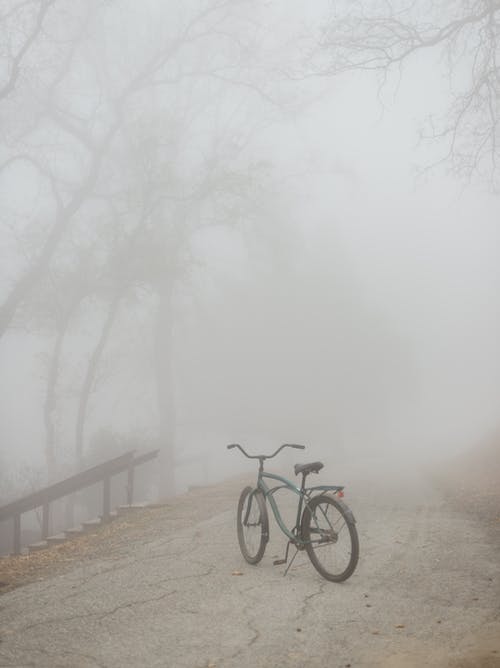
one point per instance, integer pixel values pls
(130, 484)
(106, 497)
(17, 533)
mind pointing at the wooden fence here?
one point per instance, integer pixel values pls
(44, 497)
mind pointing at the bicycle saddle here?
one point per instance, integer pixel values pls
(313, 467)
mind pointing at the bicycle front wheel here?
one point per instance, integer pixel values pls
(329, 530)
(252, 524)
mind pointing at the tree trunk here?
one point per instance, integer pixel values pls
(165, 390)
(28, 281)
(89, 380)
(50, 403)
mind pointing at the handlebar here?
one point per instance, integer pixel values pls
(262, 457)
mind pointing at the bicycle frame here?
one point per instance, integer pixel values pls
(303, 492)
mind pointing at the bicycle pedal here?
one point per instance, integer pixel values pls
(278, 562)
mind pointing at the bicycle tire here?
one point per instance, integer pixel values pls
(324, 520)
(252, 525)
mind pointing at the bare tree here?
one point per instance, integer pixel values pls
(40, 59)
(52, 311)
(382, 35)
(116, 281)
(21, 24)
(89, 133)
(140, 143)
(63, 319)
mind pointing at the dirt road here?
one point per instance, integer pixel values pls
(162, 593)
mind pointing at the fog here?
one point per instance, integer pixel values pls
(209, 236)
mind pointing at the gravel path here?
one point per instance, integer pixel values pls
(162, 592)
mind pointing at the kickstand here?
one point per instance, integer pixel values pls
(283, 561)
(291, 562)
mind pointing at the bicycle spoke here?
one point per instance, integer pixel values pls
(330, 547)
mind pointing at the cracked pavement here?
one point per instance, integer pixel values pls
(426, 592)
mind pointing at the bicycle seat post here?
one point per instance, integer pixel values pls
(304, 475)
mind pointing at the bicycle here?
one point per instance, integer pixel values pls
(325, 527)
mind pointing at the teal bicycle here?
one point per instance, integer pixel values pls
(325, 527)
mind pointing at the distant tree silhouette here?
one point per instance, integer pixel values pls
(382, 35)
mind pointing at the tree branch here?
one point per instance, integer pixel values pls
(15, 68)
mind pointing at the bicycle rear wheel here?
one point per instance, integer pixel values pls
(329, 530)
(252, 524)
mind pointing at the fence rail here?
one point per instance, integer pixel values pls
(100, 473)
